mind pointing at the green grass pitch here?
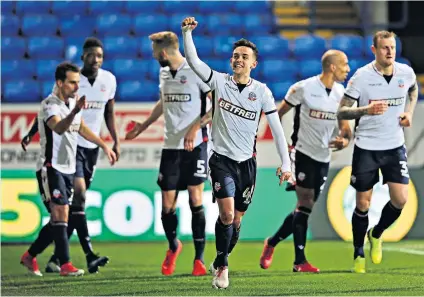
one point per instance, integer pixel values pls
(134, 269)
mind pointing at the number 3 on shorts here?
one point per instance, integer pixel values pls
(404, 169)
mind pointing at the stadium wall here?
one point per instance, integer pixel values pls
(124, 202)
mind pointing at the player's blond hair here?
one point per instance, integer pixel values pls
(382, 35)
(166, 40)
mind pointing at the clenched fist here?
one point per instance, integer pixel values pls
(189, 23)
(377, 107)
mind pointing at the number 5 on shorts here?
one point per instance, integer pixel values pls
(201, 169)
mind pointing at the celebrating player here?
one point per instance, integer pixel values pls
(238, 101)
(60, 122)
(380, 88)
(183, 165)
(316, 100)
(99, 88)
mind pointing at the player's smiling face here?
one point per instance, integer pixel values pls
(385, 52)
(243, 60)
(93, 58)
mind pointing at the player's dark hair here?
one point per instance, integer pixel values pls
(382, 35)
(247, 43)
(64, 67)
(92, 42)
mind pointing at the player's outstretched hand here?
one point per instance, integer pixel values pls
(338, 143)
(405, 119)
(25, 142)
(80, 104)
(377, 107)
(135, 131)
(110, 155)
(189, 23)
(117, 149)
(189, 139)
(283, 175)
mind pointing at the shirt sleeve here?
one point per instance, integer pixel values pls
(50, 110)
(202, 86)
(353, 89)
(268, 105)
(294, 95)
(413, 80)
(113, 88)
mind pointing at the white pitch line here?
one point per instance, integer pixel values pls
(404, 250)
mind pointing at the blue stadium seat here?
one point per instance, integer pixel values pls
(224, 46)
(187, 7)
(204, 46)
(403, 60)
(279, 70)
(351, 45)
(75, 41)
(130, 69)
(368, 43)
(8, 6)
(209, 7)
(10, 24)
(47, 88)
(45, 47)
(153, 73)
(272, 46)
(46, 69)
(309, 68)
(147, 7)
(61, 8)
(145, 47)
(113, 25)
(219, 65)
(355, 64)
(17, 69)
(13, 47)
(145, 24)
(309, 47)
(120, 47)
(39, 25)
(73, 53)
(257, 24)
(244, 7)
(279, 89)
(225, 24)
(108, 65)
(22, 91)
(32, 7)
(138, 91)
(76, 25)
(99, 7)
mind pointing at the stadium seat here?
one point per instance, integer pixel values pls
(272, 46)
(244, 7)
(22, 91)
(351, 45)
(10, 24)
(403, 60)
(228, 24)
(130, 69)
(138, 91)
(99, 7)
(257, 24)
(46, 69)
(47, 88)
(145, 24)
(113, 25)
(120, 47)
(355, 64)
(309, 68)
(32, 7)
(17, 69)
(279, 89)
(13, 47)
(279, 70)
(224, 46)
(8, 7)
(204, 46)
(147, 7)
(145, 47)
(75, 41)
(61, 8)
(368, 43)
(219, 65)
(73, 53)
(210, 7)
(187, 7)
(39, 25)
(45, 47)
(153, 73)
(76, 25)
(108, 65)
(309, 47)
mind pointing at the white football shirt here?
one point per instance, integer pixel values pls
(380, 132)
(58, 150)
(236, 115)
(317, 116)
(184, 101)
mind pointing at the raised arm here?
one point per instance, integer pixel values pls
(59, 125)
(199, 67)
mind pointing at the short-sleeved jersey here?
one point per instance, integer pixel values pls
(380, 132)
(316, 113)
(236, 115)
(58, 150)
(183, 95)
(96, 96)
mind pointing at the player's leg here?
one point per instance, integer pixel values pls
(396, 175)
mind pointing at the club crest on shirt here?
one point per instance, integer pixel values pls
(103, 88)
(401, 83)
(252, 96)
(217, 186)
(183, 79)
